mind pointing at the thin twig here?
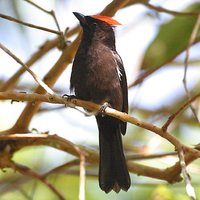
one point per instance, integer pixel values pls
(151, 156)
(145, 74)
(161, 9)
(188, 185)
(180, 63)
(33, 189)
(52, 13)
(82, 177)
(191, 41)
(50, 79)
(82, 172)
(37, 6)
(24, 193)
(37, 79)
(171, 12)
(62, 167)
(44, 48)
(29, 25)
(179, 110)
(28, 172)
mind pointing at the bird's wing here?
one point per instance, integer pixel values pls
(123, 83)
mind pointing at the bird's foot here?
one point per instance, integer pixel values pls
(103, 108)
(87, 113)
(69, 98)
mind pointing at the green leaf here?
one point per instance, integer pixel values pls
(172, 39)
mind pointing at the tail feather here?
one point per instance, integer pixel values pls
(113, 172)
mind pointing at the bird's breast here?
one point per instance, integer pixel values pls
(98, 76)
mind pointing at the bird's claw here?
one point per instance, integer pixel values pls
(68, 97)
(103, 107)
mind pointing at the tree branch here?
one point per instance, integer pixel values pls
(171, 12)
(189, 188)
(17, 141)
(44, 48)
(52, 13)
(96, 108)
(37, 79)
(29, 25)
(179, 110)
(28, 172)
(191, 42)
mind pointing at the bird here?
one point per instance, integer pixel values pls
(98, 76)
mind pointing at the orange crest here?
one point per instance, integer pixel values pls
(106, 19)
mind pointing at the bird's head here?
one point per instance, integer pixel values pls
(98, 27)
(88, 20)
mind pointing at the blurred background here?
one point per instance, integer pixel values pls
(149, 42)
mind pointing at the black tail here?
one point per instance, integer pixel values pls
(113, 172)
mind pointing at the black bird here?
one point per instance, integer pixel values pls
(98, 75)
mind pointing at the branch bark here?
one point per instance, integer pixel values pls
(96, 108)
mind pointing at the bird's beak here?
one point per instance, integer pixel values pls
(80, 17)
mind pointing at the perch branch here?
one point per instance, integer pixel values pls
(94, 107)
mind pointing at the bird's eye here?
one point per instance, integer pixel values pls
(94, 24)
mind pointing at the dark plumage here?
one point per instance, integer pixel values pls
(98, 75)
